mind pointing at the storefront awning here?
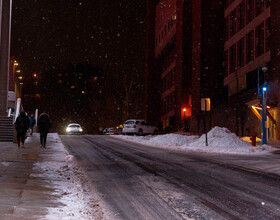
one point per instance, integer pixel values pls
(256, 106)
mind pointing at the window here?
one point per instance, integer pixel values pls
(227, 28)
(233, 23)
(267, 32)
(241, 83)
(250, 46)
(232, 88)
(259, 6)
(237, 85)
(240, 53)
(241, 15)
(233, 58)
(250, 10)
(226, 62)
(259, 40)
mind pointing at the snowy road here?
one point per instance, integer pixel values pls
(147, 183)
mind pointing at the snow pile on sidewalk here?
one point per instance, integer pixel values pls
(72, 187)
(220, 140)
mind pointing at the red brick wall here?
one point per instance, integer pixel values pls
(196, 56)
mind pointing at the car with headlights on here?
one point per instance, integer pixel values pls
(139, 127)
(74, 129)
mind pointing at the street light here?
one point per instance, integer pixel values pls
(264, 68)
(184, 110)
(263, 94)
(264, 114)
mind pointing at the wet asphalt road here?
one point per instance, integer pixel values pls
(140, 182)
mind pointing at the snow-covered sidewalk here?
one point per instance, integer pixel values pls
(220, 140)
(72, 188)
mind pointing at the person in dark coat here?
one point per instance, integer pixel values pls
(32, 122)
(21, 126)
(44, 125)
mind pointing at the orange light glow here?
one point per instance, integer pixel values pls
(35, 75)
(186, 112)
(95, 78)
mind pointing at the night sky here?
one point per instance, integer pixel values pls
(108, 33)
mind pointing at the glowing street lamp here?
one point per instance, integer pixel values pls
(184, 110)
(264, 68)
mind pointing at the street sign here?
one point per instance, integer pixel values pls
(205, 104)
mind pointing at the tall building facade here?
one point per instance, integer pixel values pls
(179, 68)
(223, 50)
(252, 38)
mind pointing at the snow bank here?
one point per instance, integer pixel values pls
(220, 140)
(166, 141)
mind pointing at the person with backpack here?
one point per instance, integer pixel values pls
(44, 125)
(32, 122)
(21, 126)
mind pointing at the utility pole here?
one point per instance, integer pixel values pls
(5, 39)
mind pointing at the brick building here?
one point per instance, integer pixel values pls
(252, 41)
(213, 49)
(179, 68)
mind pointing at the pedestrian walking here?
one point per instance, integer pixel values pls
(32, 122)
(44, 125)
(21, 126)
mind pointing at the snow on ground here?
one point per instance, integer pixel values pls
(220, 140)
(73, 188)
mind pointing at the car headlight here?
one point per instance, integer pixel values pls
(67, 129)
(80, 129)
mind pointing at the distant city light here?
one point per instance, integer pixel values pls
(264, 89)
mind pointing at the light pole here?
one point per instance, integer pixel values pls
(264, 68)
(263, 94)
(264, 101)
